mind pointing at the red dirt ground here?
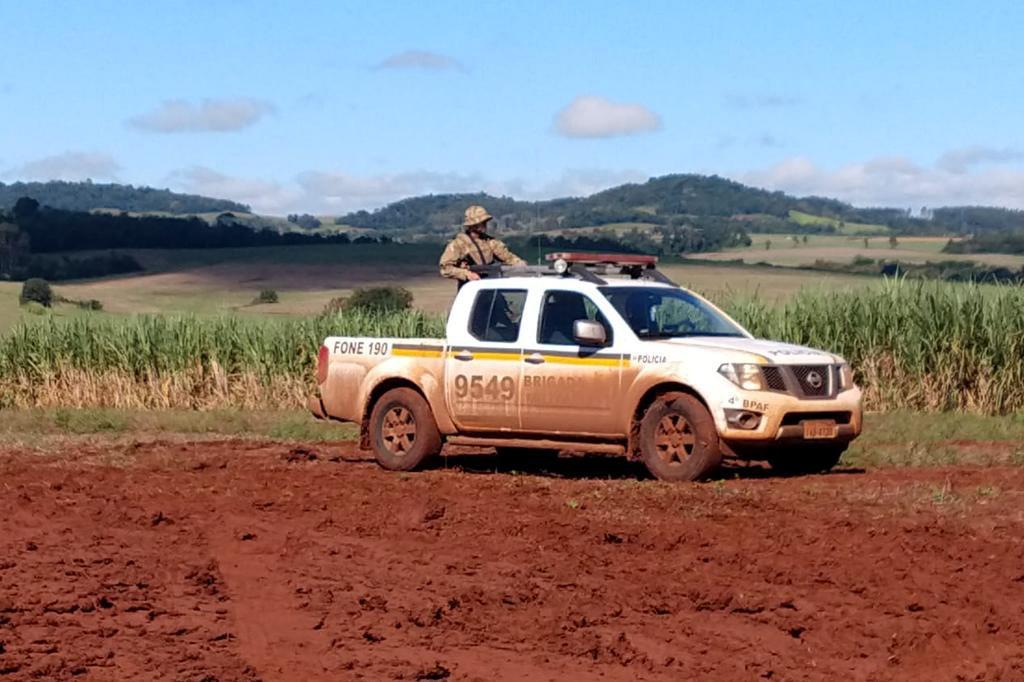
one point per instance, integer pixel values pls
(260, 561)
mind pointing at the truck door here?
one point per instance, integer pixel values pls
(483, 363)
(568, 387)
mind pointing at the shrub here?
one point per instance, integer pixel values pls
(37, 290)
(91, 304)
(57, 268)
(379, 298)
(334, 306)
(266, 296)
(33, 308)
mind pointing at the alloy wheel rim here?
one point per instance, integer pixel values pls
(399, 431)
(674, 439)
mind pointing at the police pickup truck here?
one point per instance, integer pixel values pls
(592, 353)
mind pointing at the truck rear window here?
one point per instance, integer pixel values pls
(496, 314)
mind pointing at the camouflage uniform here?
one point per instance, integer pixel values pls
(474, 248)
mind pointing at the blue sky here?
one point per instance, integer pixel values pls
(333, 106)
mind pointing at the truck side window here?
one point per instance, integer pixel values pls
(560, 310)
(496, 314)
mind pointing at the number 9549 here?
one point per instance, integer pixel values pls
(477, 387)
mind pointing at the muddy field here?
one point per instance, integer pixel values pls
(247, 561)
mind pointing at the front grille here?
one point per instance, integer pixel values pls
(814, 380)
(802, 381)
(773, 378)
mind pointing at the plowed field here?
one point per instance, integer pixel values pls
(235, 560)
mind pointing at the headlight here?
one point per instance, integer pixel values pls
(744, 375)
(845, 377)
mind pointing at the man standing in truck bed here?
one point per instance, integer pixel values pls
(473, 246)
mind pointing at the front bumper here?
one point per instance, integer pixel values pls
(781, 417)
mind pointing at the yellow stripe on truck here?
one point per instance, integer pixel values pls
(416, 353)
(495, 356)
(597, 362)
(553, 359)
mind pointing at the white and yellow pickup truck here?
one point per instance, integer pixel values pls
(570, 358)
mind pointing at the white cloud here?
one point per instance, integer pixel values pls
(762, 100)
(581, 182)
(593, 116)
(210, 115)
(68, 166)
(420, 59)
(338, 192)
(347, 192)
(263, 195)
(962, 159)
(895, 181)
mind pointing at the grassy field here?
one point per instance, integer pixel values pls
(218, 281)
(791, 250)
(843, 227)
(914, 345)
(892, 439)
(616, 228)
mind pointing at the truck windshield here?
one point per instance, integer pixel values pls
(663, 313)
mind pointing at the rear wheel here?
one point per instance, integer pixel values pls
(678, 439)
(403, 432)
(808, 460)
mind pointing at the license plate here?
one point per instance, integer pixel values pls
(820, 428)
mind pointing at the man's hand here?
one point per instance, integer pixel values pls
(472, 276)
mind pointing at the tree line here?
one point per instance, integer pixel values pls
(1002, 241)
(675, 199)
(30, 233)
(86, 196)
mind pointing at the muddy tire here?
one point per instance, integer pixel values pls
(678, 439)
(814, 460)
(403, 432)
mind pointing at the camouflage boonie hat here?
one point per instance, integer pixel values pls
(476, 215)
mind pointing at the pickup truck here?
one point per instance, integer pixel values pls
(571, 358)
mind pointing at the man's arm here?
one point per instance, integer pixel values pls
(451, 263)
(504, 254)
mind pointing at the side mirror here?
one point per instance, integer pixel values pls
(589, 333)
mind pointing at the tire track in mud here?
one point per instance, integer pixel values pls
(276, 632)
(233, 561)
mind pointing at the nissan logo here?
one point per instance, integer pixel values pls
(815, 380)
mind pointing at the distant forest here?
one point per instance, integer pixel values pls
(680, 201)
(86, 196)
(670, 215)
(685, 201)
(999, 241)
(29, 233)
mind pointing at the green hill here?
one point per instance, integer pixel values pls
(680, 201)
(667, 200)
(87, 196)
(685, 200)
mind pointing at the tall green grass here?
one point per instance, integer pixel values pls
(180, 361)
(916, 345)
(913, 345)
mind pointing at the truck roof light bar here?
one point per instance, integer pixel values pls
(586, 266)
(588, 258)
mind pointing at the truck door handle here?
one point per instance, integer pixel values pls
(465, 356)
(534, 358)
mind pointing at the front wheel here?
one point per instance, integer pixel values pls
(809, 460)
(678, 439)
(402, 430)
